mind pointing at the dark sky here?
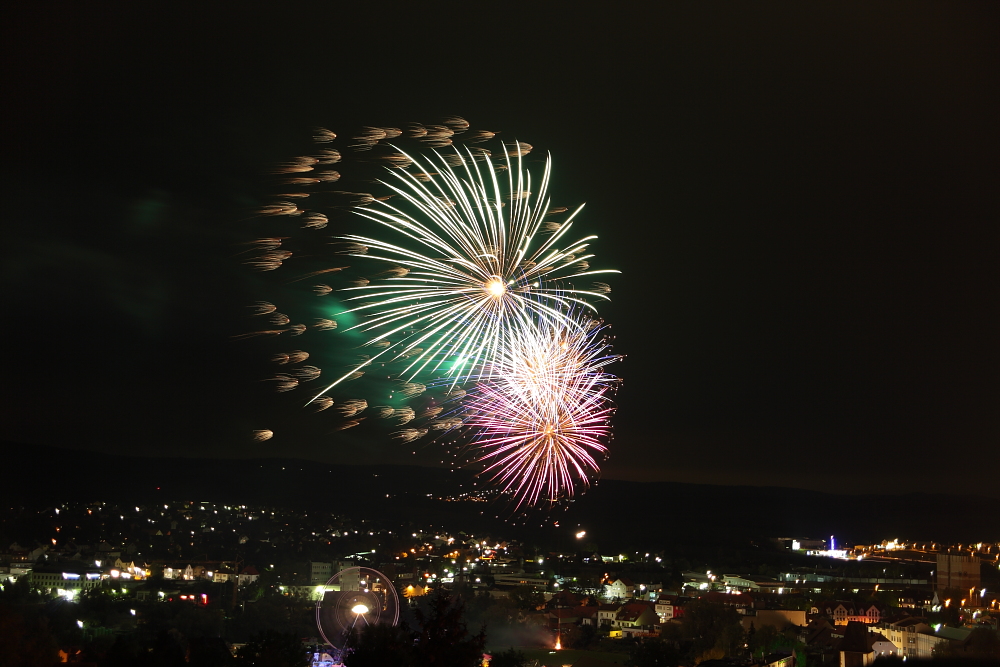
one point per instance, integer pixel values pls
(803, 201)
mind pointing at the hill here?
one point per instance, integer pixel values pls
(619, 512)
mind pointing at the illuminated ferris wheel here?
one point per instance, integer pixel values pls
(355, 599)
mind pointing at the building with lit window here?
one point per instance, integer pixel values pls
(61, 582)
(913, 637)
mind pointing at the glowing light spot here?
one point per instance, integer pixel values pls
(495, 287)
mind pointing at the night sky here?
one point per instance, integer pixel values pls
(803, 202)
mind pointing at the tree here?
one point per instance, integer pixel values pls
(20, 592)
(585, 637)
(585, 585)
(25, 639)
(711, 625)
(272, 649)
(763, 639)
(492, 612)
(653, 653)
(380, 645)
(714, 653)
(169, 649)
(276, 612)
(443, 640)
(527, 598)
(675, 581)
(124, 652)
(209, 652)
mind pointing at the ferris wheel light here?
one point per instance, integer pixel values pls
(365, 603)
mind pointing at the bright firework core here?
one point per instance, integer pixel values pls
(495, 287)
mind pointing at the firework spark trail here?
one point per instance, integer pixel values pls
(485, 268)
(554, 359)
(541, 415)
(540, 449)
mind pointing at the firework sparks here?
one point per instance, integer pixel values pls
(411, 434)
(353, 407)
(540, 450)
(468, 295)
(404, 415)
(284, 382)
(293, 357)
(263, 308)
(484, 269)
(322, 403)
(541, 414)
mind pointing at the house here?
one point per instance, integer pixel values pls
(767, 585)
(667, 608)
(640, 631)
(222, 575)
(870, 612)
(415, 590)
(735, 582)
(620, 589)
(606, 614)
(818, 635)
(741, 602)
(564, 599)
(649, 592)
(50, 579)
(843, 612)
(248, 575)
(915, 599)
(904, 634)
(958, 637)
(635, 615)
(882, 647)
(856, 646)
(320, 572)
(558, 618)
(588, 616)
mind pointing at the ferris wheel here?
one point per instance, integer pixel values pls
(355, 599)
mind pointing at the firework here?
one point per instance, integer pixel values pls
(470, 301)
(472, 265)
(540, 450)
(541, 415)
(551, 359)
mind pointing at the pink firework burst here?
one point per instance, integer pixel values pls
(542, 415)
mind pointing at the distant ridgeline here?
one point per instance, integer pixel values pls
(621, 511)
